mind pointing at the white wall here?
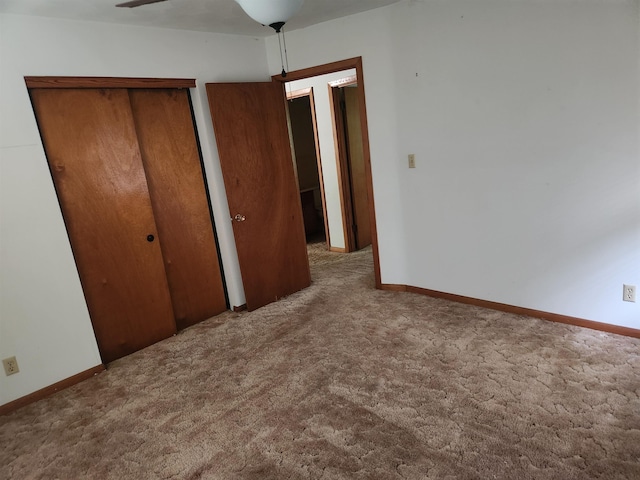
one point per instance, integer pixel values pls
(43, 317)
(524, 118)
(328, 158)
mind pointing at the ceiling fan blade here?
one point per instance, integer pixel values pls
(137, 3)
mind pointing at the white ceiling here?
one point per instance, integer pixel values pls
(222, 16)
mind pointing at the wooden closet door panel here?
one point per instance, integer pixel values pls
(174, 174)
(92, 149)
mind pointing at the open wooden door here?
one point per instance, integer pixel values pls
(250, 125)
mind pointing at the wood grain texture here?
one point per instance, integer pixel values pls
(92, 150)
(342, 166)
(174, 174)
(303, 92)
(366, 152)
(357, 175)
(502, 307)
(316, 140)
(50, 390)
(108, 82)
(318, 70)
(250, 125)
(345, 81)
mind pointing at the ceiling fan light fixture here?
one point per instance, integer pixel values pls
(274, 13)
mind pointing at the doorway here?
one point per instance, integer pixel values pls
(359, 104)
(254, 146)
(304, 136)
(350, 161)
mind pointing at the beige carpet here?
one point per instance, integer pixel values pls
(343, 381)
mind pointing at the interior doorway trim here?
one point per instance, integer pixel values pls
(303, 92)
(344, 82)
(108, 82)
(340, 141)
(348, 64)
(308, 92)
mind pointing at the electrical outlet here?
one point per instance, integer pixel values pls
(629, 293)
(412, 160)
(10, 366)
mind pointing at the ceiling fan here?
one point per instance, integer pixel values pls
(273, 12)
(137, 3)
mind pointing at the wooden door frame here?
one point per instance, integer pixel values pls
(348, 64)
(308, 92)
(341, 143)
(108, 82)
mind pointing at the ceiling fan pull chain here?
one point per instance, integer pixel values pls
(284, 73)
(286, 55)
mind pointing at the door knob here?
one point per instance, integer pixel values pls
(150, 238)
(239, 218)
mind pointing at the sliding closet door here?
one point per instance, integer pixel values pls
(92, 149)
(174, 173)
